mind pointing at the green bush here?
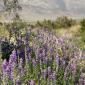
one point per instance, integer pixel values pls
(64, 22)
(82, 23)
(60, 22)
(46, 24)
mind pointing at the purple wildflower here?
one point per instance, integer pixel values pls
(31, 83)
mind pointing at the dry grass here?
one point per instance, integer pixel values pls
(70, 32)
(3, 31)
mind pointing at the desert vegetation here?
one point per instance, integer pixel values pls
(45, 53)
(60, 22)
(39, 56)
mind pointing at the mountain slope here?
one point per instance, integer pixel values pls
(40, 9)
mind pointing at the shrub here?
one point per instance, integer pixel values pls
(64, 22)
(82, 23)
(60, 22)
(45, 24)
(82, 30)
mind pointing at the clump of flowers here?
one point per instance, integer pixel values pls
(42, 58)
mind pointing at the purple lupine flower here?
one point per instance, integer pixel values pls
(18, 81)
(52, 76)
(84, 81)
(66, 72)
(62, 63)
(40, 54)
(13, 60)
(13, 57)
(4, 69)
(21, 67)
(28, 49)
(45, 47)
(4, 65)
(31, 83)
(57, 60)
(49, 70)
(9, 72)
(29, 57)
(46, 72)
(12, 65)
(73, 67)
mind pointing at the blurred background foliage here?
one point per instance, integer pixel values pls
(61, 24)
